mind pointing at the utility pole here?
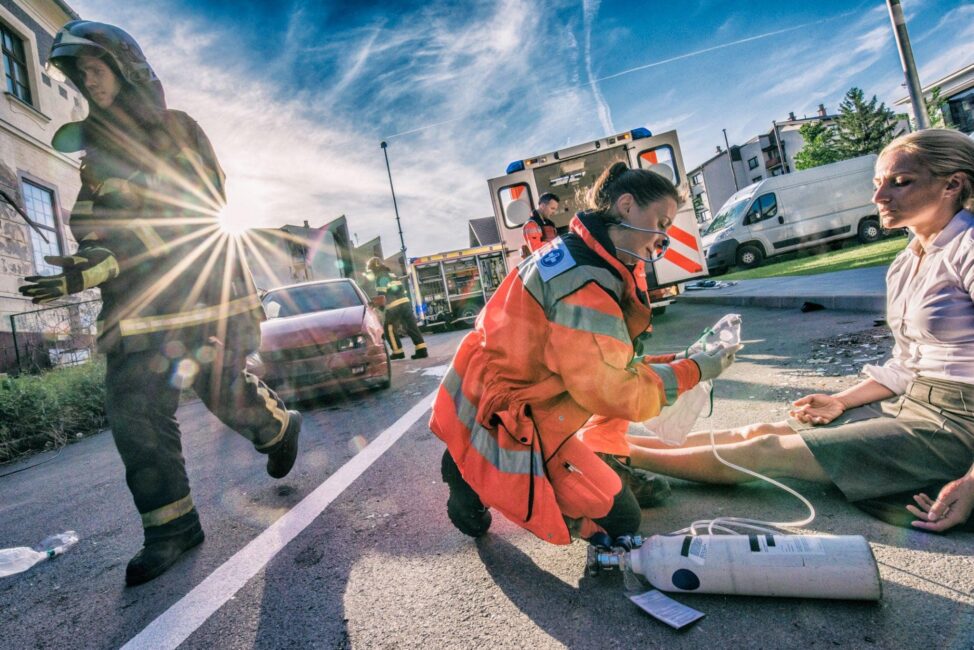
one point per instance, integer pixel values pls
(395, 206)
(909, 67)
(730, 160)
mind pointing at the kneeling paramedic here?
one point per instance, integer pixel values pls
(179, 305)
(559, 343)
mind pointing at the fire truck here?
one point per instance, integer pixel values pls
(571, 172)
(449, 289)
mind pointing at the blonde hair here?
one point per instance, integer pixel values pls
(943, 152)
(645, 186)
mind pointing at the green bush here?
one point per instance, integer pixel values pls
(50, 409)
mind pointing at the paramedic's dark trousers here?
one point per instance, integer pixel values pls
(402, 315)
(142, 395)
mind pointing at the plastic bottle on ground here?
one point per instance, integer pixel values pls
(19, 559)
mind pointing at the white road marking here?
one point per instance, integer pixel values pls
(186, 615)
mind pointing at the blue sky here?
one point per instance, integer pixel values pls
(296, 96)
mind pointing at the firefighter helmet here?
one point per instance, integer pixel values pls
(107, 42)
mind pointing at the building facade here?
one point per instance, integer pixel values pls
(957, 97)
(39, 180)
(291, 254)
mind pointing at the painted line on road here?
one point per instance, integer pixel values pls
(174, 626)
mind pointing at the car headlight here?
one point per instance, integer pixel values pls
(351, 343)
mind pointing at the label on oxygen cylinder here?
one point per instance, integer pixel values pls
(786, 544)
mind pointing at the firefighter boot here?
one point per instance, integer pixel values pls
(464, 507)
(163, 546)
(649, 489)
(280, 459)
(395, 356)
(420, 353)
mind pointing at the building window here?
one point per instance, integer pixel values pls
(959, 111)
(752, 162)
(756, 178)
(40, 208)
(15, 64)
(695, 179)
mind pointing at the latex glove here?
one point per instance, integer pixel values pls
(83, 270)
(713, 363)
(817, 409)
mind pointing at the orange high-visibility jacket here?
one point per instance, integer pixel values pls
(538, 231)
(553, 346)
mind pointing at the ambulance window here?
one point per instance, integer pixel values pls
(515, 202)
(660, 160)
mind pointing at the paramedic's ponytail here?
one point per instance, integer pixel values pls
(645, 186)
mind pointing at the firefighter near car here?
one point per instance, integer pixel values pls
(180, 309)
(398, 310)
(534, 407)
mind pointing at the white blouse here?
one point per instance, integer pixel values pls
(931, 310)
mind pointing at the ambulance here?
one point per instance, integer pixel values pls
(570, 173)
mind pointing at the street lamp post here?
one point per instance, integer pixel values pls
(395, 206)
(730, 160)
(909, 67)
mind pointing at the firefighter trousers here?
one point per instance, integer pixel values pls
(142, 395)
(402, 316)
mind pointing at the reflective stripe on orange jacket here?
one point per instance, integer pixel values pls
(553, 346)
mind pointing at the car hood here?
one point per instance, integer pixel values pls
(316, 328)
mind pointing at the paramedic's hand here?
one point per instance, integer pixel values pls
(82, 270)
(817, 409)
(953, 506)
(711, 364)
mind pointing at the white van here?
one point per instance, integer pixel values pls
(794, 211)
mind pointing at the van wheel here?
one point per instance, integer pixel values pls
(869, 231)
(749, 256)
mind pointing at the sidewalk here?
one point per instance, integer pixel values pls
(851, 290)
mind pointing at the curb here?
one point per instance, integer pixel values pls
(866, 303)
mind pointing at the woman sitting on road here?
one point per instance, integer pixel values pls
(556, 344)
(907, 431)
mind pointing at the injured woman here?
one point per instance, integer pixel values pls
(899, 444)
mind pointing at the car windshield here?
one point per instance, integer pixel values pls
(308, 298)
(728, 215)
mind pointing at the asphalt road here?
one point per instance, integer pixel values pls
(382, 567)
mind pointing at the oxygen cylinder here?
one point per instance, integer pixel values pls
(799, 566)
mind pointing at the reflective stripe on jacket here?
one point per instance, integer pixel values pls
(553, 346)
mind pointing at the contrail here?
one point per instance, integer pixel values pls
(715, 47)
(590, 9)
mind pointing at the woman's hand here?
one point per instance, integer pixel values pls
(817, 408)
(952, 507)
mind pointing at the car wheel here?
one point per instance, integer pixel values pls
(749, 256)
(869, 231)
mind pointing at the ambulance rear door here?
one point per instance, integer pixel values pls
(513, 196)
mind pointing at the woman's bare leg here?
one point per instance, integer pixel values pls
(722, 437)
(770, 454)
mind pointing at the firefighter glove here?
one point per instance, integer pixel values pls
(716, 361)
(83, 270)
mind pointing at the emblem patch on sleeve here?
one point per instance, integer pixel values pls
(554, 259)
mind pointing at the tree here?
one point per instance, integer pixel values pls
(935, 108)
(863, 127)
(819, 146)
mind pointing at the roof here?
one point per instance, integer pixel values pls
(484, 231)
(944, 84)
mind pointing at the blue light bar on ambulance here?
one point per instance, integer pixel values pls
(516, 166)
(641, 132)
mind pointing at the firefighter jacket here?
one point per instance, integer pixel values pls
(537, 231)
(152, 196)
(557, 343)
(389, 285)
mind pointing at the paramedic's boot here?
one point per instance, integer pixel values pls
(464, 507)
(280, 460)
(163, 546)
(649, 489)
(420, 353)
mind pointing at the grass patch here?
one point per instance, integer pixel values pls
(48, 410)
(852, 256)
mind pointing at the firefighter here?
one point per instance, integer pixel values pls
(560, 341)
(539, 228)
(180, 308)
(398, 310)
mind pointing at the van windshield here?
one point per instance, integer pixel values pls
(727, 216)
